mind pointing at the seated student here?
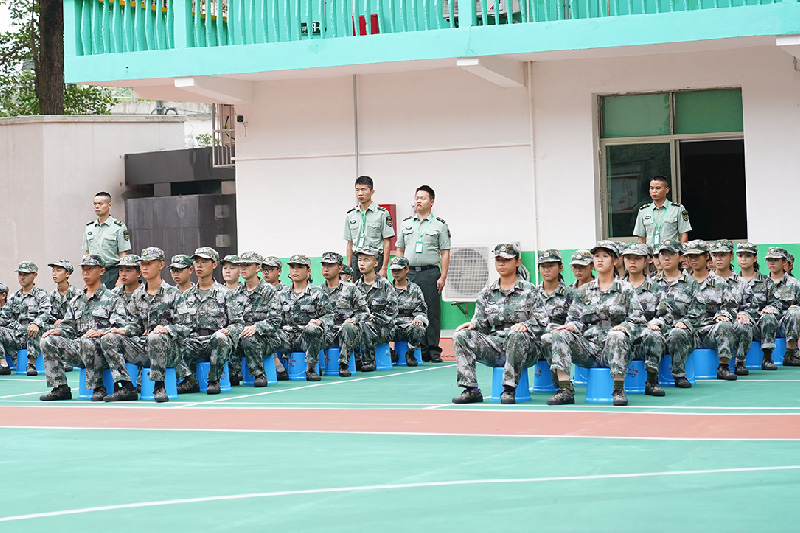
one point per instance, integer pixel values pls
(128, 277)
(649, 345)
(412, 312)
(61, 295)
(504, 331)
(789, 263)
(556, 295)
(787, 299)
(271, 272)
(603, 320)
(181, 268)
(210, 322)
(230, 272)
(23, 319)
(684, 310)
(721, 258)
(718, 308)
(381, 299)
(150, 337)
(307, 315)
(261, 308)
(619, 264)
(349, 311)
(347, 273)
(3, 295)
(764, 311)
(581, 264)
(77, 340)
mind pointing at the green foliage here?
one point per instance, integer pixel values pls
(204, 140)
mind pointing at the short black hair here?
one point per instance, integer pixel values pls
(365, 180)
(103, 193)
(427, 189)
(661, 178)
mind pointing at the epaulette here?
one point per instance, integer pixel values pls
(645, 205)
(440, 219)
(90, 223)
(408, 218)
(117, 222)
(380, 207)
(649, 286)
(353, 209)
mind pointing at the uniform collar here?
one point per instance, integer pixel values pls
(495, 286)
(595, 284)
(108, 222)
(429, 217)
(372, 207)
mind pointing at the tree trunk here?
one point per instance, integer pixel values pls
(50, 67)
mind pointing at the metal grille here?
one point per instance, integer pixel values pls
(223, 131)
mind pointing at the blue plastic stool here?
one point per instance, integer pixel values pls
(754, 356)
(86, 394)
(401, 347)
(332, 362)
(22, 355)
(635, 378)
(689, 367)
(779, 352)
(202, 377)
(11, 363)
(270, 369)
(297, 366)
(247, 379)
(169, 384)
(522, 394)
(600, 386)
(665, 378)
(383, 357)
(581, 376)
(542, 378)
(706, 362)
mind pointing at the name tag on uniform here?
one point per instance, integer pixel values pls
(418, 247)
(656, 239)
(361, 241)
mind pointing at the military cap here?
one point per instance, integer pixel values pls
(233, 259)
(550, 255)
(748, 247)
(398, 263)
(331, 258)
(619, 246)
(250, 257)
(611, 246)
(790, 258)
(63, 263)
(509, 251)
(129, 260)
(721, 246)
(206, 252)
(369, 250)
(774, 252)
(3, 288)
(91, 260)
(299, 259)
(26, 267)
(670, 246)
(153, 254)
(347, 270)
(272, 261)
(180, 261)
(636, 248)
(581, 258)
(696, 247)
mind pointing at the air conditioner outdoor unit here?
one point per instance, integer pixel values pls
(471, 269)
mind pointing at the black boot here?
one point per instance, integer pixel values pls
(124, 393)
(563, 396)
(188, 385)
(651, 387)
(619, 398)
(469, 395)
(344, 370)
(62, 392)
(160, 392)
(766, 361)
(741, 369)
(723, 372)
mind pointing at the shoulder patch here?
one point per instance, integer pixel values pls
(645, 205)
(389, 220)
(685, 214)
(127, 235)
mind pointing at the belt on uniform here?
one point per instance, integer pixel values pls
(205, 331)
(502, 327)
(421, 268)
(405, 315)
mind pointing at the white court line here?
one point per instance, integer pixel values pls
(367, 488)
(23, 394)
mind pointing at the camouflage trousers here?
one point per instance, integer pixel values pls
(215, 349)
(404, 330)
(83, 352)
(512, 350)
(770, 326)
(766, 330)
(346, 337)
(742, 337)
(649, 347)
(254, 349)
(568, 348)
(719, 337)
(680, 345)
(373, 334)
(155, 350)
(309, 339)
(12, 340)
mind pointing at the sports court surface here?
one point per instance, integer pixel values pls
(387, 451)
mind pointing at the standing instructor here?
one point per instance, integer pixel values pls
(106, 237)
(427, 239)
(661, 220)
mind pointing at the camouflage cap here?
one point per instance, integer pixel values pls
(299, 259)
(233, 259)
(747, 247)
(91, 260)
(153, 254)
(721, 246)
(180, 261)
(581, 258)
(790, 258)
(129, 260)
(272, 261)
(619, 247)
(550, 255)
(3, 288)
(369, 250)
(611, 246)
(670, 246)
(206, 252)
(63, 263)
(27, 267)
(398, 263)
(696, 247)
(775, 252)
(636, 248)
(250, 257)
(507, 250)
(331, 258)
(347, 270)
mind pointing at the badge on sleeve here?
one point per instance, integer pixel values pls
(685, 215)
(127, 235)
(389, 220)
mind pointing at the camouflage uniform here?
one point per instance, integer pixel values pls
(556, 304)
(766, 324)
(683, 307)
(650, 344)
(492, 343)
(347, 302)
(787, 294)
(378, 329)
(20, 311)
(262, 308)
(742, 333)
(101, 311)
(716, 300)
(410, 305)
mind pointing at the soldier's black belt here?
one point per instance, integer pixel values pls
(502, 327)
(421, 268)
(405, 315)
(205, 331)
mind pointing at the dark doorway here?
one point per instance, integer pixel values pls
(713, 188)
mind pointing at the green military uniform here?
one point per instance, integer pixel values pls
(60, 302)
(367, 228)
(410, 306)
(107, 240)
(787, 300)
(347, 302)
(659, 224)
(422, 242)
(20, 311)
(381, 299)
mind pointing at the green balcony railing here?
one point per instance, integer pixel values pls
(115, 26)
